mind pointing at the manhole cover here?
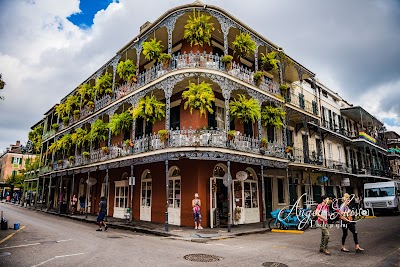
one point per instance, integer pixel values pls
(274, 264)
(202, 257)
(2, 254)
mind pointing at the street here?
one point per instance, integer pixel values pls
(48, 240)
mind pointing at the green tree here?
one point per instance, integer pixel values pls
(35, 136)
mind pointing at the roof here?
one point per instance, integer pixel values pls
(358, 114)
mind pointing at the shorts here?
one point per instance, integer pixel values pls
(197, 216)
(101, 216)
(82, 205)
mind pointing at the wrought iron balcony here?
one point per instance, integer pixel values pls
(176, 138)
(300, 102)
(338, 165)
(298, 156)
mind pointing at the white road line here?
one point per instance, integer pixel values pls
(59, 241)
(56, 257)
(20, 246)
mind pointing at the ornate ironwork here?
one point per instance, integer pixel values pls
(113, 165)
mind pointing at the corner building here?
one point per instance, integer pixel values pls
(198, 154)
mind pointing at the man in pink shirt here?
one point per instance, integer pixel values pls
(322, 214)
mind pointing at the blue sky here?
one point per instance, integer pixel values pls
(88, 8)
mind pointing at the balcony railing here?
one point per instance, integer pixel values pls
(300, 102)
(338, 165)
(298, 156)
(342, 131)
(181, 61)
(176, 138)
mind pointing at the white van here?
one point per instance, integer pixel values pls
(382, 195)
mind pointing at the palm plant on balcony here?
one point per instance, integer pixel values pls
(243, 45)
(199, 97)
(152, 49)
(120, 122)
(198, 29)
(80, 137)
(272, 116)
(86, 94)
(227, 60)
(284, 88)
(85, 154)
(65, 142)
(269, 61)
(54, 126)
(71, 104)
(258, 77)
(163, 134)
(60, 110)
(103, 85)
(65, 120)
(77, 113)
(35, 136)
(150, 109)
(165, 59)
(127, 71)
(245, 110)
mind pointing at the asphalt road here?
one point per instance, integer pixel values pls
(48, 240)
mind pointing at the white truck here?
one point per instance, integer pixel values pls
(382, 196)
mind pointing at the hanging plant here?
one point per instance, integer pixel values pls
(80, 137)
(71, 104)
(269, 61)
(86, 94)
(86, 154)
(103, 85)
(120, 122)
(152, 49)
(35, 136)
(244, 109)
(231, 135)
(60, 110)
(198, 29)
(264, 142)
(127, 71)
(200, 97)
(272, 116)
(98, 131)
(54, 126)
(76, 114)
(65, 142)
(128, 142)
(165, 59)
(150, 109)
(243, 45)
(71, 159)
(65, 120)
(284, 88)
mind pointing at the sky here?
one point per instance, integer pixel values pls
(49, 47)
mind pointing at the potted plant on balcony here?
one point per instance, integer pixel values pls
(86, 154)
(65, 120)
(127, 71)
(152, 49)
(198, 29)
(163, 134)
(272, 116)
(227, 60)
(128, 143)
(60, 162)
(54, 126)
(199, 97)
(103, 85)
(120, 122)
(231, 135)
(149, 109)
(284, 89)
(98, 131)
(245, 110)
(104, 149)
(165, 59)
(79, 138)
(269, 61)
(263, 145)
(77, 113)
(258, 77)
(243, 45)
(71, 159)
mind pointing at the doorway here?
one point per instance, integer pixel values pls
(268, 195)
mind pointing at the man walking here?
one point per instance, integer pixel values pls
(102, 214)
(322, 214)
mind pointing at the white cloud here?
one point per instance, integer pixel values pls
(44, 56)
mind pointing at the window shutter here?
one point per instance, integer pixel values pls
(12, 160)
(20, 161)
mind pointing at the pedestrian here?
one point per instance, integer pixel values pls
(102, 214)
(82, 200)
(357, 202)
(322, 215)
(74, 201)
(348, 224)
(196, 204)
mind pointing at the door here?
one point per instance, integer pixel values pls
(268, 195)
(174, 200)
(81, 192)
(145, 204)
(214, 218)
(293, 191)
(121, 199)
(305, 149)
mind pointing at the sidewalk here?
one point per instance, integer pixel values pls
(175, 232)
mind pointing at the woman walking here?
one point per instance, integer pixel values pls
(348, 224)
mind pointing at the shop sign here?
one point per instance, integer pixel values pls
(346, 182)
(241, 176)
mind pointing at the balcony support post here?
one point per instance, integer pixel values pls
(60, 195)
(106, 193)
(229, 196)
(264, 213)
(48, 194)
(44, 182)
(114, 66)
(166, 193)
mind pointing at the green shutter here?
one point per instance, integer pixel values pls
(20, 161)
(12, 160)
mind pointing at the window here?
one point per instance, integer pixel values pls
(250, 194)
(339, 147)
(248, 129)
(379, 192)
(139, 128)
(329, 150)
(314, 108)
(281, 197)
(217, 119)
(146, 190)
(270, 133)
(175, 118)
(301, 101)
(174, 192)
(289, 138)
(121, 196)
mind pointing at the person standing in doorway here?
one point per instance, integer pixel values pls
(348, 224)
(322, 214)
(74, 201)
(102, 214)
(196, 204)
(82, 200)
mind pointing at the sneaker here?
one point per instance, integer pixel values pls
(195, 227)
(327, 252)
(99, 229)
(105, 228)
(321, 249)
(200, 228)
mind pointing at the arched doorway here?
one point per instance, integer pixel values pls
(121, 197)
(145, 202)
(174, 196)
(219, 205)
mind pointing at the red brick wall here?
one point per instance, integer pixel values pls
(187, 48)
(158, 125)
(194, 120)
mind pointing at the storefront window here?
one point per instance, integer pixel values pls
(174, 193)
(146, 193)
(121, 197)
